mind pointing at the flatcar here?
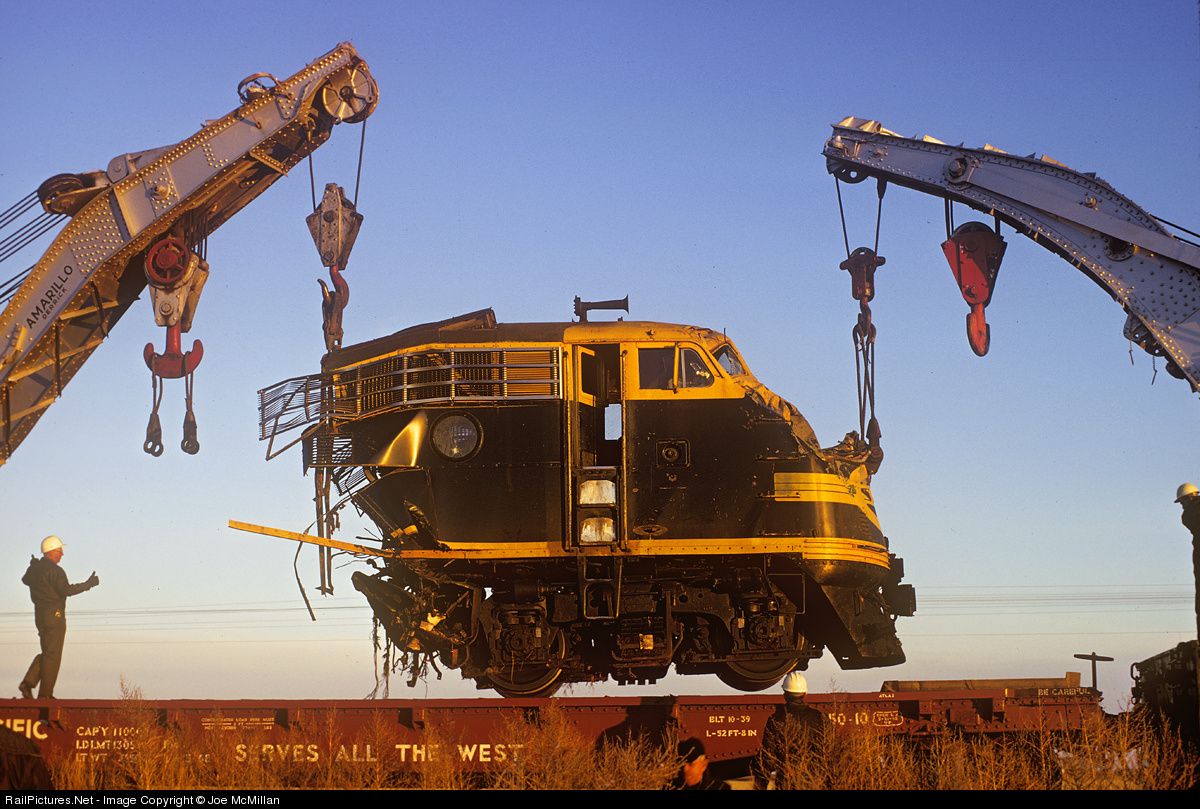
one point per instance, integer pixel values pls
(577, 501)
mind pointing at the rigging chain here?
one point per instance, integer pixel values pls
(153, 444)
(328, 517)
(861, 263)
(190, 443)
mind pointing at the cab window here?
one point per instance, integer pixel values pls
(693, 369)
(729, 361)
(588, 375)
(656, 369)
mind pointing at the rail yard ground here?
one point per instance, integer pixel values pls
(1122, 752)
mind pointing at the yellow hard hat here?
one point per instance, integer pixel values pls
(1186, 490)
(51, 543)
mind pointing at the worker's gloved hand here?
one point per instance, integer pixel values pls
(93, 580)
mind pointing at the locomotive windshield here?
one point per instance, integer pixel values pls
(728, 360)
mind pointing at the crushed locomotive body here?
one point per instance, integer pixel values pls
(569, 502)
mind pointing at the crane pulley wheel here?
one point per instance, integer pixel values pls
(850, 175)
(167, 263)
(350, 96)
(49, 192)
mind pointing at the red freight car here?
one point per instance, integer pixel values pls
(405, 734)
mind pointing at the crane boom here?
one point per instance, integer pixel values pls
(93, 270)
(1153, 274)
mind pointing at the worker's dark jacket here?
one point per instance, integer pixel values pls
(1191, 515)
(48, 586)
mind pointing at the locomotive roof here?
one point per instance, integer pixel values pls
(481, 327)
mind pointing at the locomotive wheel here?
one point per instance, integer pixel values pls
(756, 675)
(544, 686)
(533, 681)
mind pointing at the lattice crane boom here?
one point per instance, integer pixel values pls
(144, 220)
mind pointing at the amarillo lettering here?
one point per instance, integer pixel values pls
(50, 297)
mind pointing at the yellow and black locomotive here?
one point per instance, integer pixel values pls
(569, 502)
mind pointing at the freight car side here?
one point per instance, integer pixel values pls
(407, 735)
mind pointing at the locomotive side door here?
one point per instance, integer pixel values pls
(690, 469)
(594, 454)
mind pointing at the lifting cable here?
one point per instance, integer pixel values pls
(362, 142)
(1178, 227)
(312, 182)
(153, 444)
(27, 234)
(9, 288)
(21, 230)
(862, 263)
(328, 519)
(17, 208)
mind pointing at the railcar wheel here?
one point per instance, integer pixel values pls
(538, 688)
(534, 680)
(756, 675)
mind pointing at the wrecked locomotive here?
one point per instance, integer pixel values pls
(569, 502)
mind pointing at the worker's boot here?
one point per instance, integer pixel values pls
(26, 691)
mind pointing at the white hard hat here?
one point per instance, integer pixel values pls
(51, 543)
(1186, 490)
(795, 683)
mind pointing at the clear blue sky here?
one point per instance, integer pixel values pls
(524, 153)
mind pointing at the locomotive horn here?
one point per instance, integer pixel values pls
(582, 307)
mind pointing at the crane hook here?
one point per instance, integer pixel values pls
(975, 251)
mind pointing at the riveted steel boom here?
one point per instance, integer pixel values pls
(95, 268)
(1152, 273)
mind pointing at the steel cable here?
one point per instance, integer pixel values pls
(16, 209)
(10, 287)
(358, 175)
(27, 235)
(20, 233)
(1178, 227)
(18, 278)
(23, 231)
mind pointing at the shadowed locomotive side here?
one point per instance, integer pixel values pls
(569, 502)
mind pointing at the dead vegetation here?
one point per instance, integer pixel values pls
(1123, 752)
(1117, 753)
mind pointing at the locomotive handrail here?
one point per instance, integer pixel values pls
(347, 393)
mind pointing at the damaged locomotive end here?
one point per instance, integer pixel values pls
(573, 502)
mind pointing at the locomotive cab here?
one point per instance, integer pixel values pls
(569, 502)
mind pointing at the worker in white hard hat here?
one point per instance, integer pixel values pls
(793, 734)
(795, 691)
(1188, 496)
(49, 589)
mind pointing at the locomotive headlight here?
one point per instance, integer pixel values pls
(598, 531)
(455, 437)
(597, 493)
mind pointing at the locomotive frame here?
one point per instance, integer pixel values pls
(569, 502)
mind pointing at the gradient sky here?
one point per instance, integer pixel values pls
(525, 153)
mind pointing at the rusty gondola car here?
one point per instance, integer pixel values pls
(569, 502)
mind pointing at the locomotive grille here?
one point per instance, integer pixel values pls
(326, 449)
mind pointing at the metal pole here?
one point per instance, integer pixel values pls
(1094, 657)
